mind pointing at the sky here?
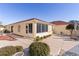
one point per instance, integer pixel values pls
(11, 12)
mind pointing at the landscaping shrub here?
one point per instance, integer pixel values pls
(9, 50)
(41, 38)
(38, 38)
(6, 31)
(19, 48)
(44, 36)
(39, 49)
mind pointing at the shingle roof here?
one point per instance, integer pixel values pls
(29, 20)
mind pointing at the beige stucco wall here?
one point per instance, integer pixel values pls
(23, 28)
(60, 28)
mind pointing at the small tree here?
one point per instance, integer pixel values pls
(70, 27)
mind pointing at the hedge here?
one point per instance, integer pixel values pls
(41, 38)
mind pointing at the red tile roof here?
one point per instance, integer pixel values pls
(59, 22)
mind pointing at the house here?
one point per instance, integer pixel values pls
(2, 28)
(31, 28)
(59, 27)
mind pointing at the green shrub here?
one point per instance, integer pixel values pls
(44, 37)
(9, 50)
(41, 38)
(6, 31)
(38, 38)
(39, 49)
(19, 48)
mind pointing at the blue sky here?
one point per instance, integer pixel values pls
(10, 13)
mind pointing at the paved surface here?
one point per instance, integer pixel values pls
(56, 43)
(68, 53)
(20, 41)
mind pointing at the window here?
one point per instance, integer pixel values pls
(42, 28)
(11, 28)
(26, 28)
(19, 27)
(30, 28)
(46, 28)
(39, 28)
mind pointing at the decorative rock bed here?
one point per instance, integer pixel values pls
(6, 37)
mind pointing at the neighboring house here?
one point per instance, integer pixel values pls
(59, 27)
(31, 28)
(2, 28)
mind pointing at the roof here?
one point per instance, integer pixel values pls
(2, 26)
(74, 23)
(29, 20)
(59, 22)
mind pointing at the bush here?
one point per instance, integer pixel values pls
(45, 37)
(9, 50)
(38, 38)
(6, 31)
(39, 49)
(19, 48)
(41, 38)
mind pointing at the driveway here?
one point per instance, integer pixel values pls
(58, 43)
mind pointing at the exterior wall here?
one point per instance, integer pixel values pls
(60, 28)
(23, 28)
